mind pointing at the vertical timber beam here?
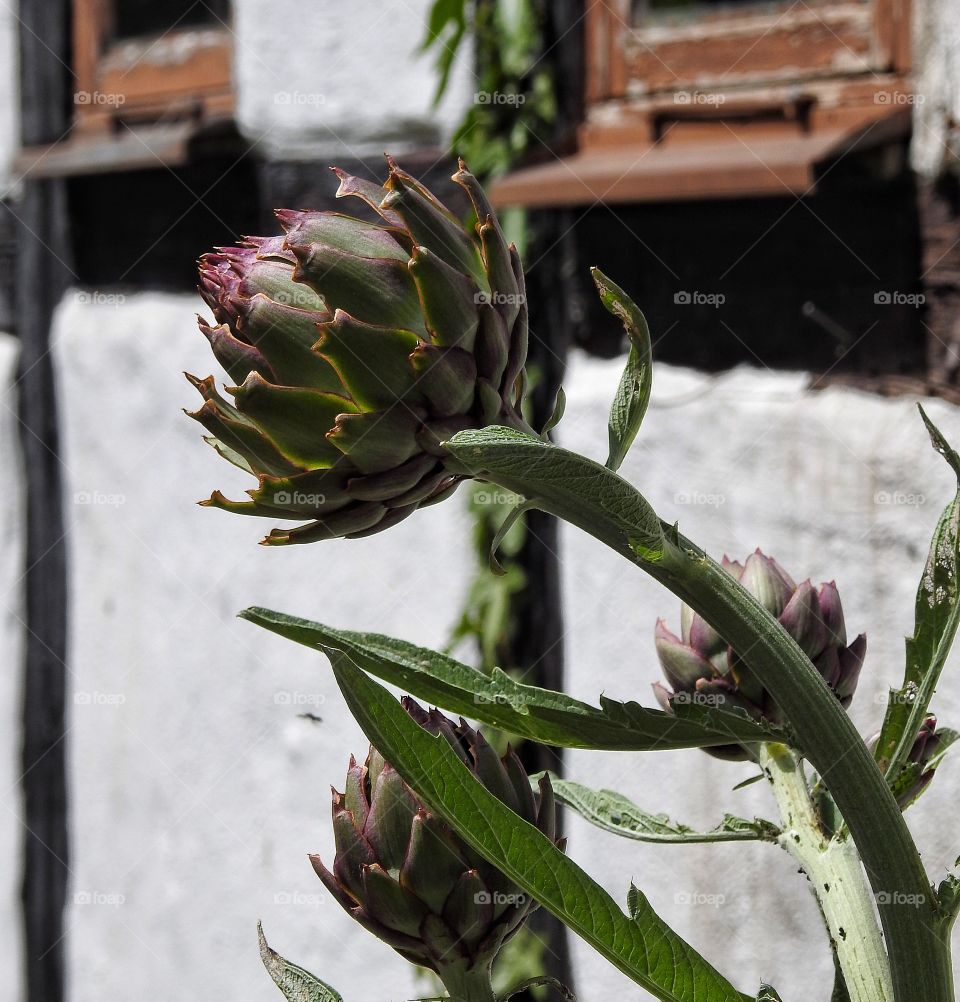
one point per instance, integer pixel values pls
(43, 272)
(551, 297)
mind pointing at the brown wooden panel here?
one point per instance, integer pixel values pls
(179, 63)
(799, 44)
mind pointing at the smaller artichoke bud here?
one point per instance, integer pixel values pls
(921, 762)
(405, 875)
(701, 668)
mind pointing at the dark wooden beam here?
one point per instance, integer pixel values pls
(43, 272)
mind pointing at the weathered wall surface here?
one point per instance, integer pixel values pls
(358, 88)
(197, 789)
(936, 61)
(836, 485)
(11, 655)
(9, 92)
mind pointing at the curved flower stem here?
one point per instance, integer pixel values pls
(919, 952)
(919, 957)
(836, 877)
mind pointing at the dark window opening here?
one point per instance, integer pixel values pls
(137, 18)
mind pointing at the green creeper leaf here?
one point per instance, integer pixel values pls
(640, 944)
(500, 701)
(633, 393)
(586, 493)
(768, 993)
(615, 813)
(296, 984)
(936, 619)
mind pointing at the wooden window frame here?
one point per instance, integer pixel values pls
(181, 74)
(625, 60)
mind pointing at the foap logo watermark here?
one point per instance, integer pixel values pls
(699, 898)
(99, 498)
(895, 298)
(491, 698)
(286, 697)
(500, 298)
(499, 97)
(110, 899)
(900, 899)
(99, 98)
(303, 299)
(694, 97)
(700, 498)
(298, 499)
(697, 298)
(907, 499)
(898, 697)
(898, 97)
(300, 899)
(496, 497)
(711, 699)
(96, 298)
(300, 98)
(99, 698)
(498, 898)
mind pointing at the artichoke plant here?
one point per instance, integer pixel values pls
(356, 349)
(403, 874)
(702, 668)
(921, 763)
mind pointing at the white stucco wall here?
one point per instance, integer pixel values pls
(936, 62)
(836, 484)
(320, 80)
(9, 92)
(196, 790)
(11, 660)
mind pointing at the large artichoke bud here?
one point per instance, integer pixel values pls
(357, 348)
(407, 877)
(702, 668)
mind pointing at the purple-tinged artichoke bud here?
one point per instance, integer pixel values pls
(920, 766)
(404, 874)
(701, 668)
(356, 349)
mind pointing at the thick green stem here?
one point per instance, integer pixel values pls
(468, 984)
(919, 958)
(919, 954)
(836, 877)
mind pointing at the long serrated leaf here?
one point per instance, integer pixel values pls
(937, 616)
(615, 813)
(500, 701)
(641, 944)
(560, 481)
(633, 394)
(296, 984)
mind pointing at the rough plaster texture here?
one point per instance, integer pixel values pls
(359, 87)
(9, 92)
(11, 659)
(936, 61)
(197, 791)
(837, 485)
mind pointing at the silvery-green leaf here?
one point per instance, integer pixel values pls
(613, 812)
(296, 984)
(633, 393)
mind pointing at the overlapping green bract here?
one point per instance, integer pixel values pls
(405, 875)
(702, 668)
(357, 348)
